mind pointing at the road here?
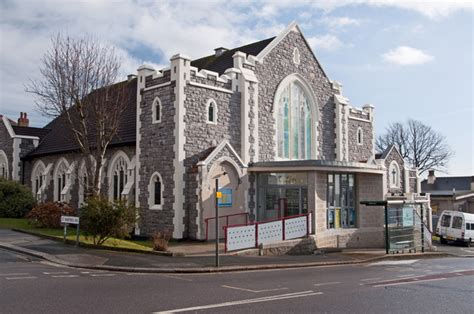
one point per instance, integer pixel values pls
(414, 286)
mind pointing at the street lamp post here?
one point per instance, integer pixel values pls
(217, 217)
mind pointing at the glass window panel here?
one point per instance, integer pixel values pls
(337, 191)
(157, 192)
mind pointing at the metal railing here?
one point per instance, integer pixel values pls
(251, 235)
(206, 221)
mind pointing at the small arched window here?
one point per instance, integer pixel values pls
(119, 178)
(211, 111)
(296, 56)
(156, 110)
(3, 165)
(360, 136)
(155, 189)
(60, 176)
(394, 175)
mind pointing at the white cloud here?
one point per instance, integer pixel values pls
(404, 55)
(340, 22)
(325, 42)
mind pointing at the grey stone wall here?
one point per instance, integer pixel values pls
(394, 155)
(77, 158)
(157, 155)
(26, 146)
(150, 81)
(6, 144)
(276, 66)
(201, 137)
(360, 152)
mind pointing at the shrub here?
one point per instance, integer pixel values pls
(16, 200)
(160, 240)
(102, 219)
(48, 215)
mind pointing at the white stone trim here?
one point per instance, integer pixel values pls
(359, 119)
(146, 89)
(219, 89)
(210, 102)
(406, 180)
(153, 110)
(181, 63)
(7, 124)
(151, 190)
(16, 159)
(220, 147)
(4, 161)
(229, 160)
(314, 107)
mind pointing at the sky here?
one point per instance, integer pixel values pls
(410, 59)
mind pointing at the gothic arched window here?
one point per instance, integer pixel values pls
(294, 123)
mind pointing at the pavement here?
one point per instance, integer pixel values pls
(198, 259)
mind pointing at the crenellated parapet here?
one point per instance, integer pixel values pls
(158, 77)
(210, 78)
(355, 139)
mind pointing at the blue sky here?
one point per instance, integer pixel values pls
(410, 59)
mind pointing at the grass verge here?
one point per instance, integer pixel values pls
(23, 224)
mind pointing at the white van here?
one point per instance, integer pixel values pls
(456, 226)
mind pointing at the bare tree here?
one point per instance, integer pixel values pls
(418, 144)
(77, 85)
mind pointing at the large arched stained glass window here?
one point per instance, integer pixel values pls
(294, 123)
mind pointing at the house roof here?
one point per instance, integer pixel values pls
(447, 184)
(60, 138)
(224, 61)
(30, 131)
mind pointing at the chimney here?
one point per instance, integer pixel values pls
(219, 51)
(131, 77)
(431, 176)
(23, 120)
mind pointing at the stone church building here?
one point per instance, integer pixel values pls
(264, 118)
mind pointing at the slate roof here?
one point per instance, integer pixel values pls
(30, 131)
(221, 63)
(448, 184)
(60, 138)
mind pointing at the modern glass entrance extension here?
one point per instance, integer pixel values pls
(282, 195)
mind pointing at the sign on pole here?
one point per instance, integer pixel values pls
(70, 220)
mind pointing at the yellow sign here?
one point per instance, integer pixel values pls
(219, 195)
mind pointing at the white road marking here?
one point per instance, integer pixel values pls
(403, 262)
(14, 274)
(407, 275)
(370, 279)
(102, 275)
(65, 276)
(55, 272)
(254, 291)
(176, 277)
(326, 283)
(408, 282)
(19, 278)
(247, 301)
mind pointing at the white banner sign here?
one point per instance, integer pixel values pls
(70, 220)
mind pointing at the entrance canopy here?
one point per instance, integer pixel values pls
(314, 165)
